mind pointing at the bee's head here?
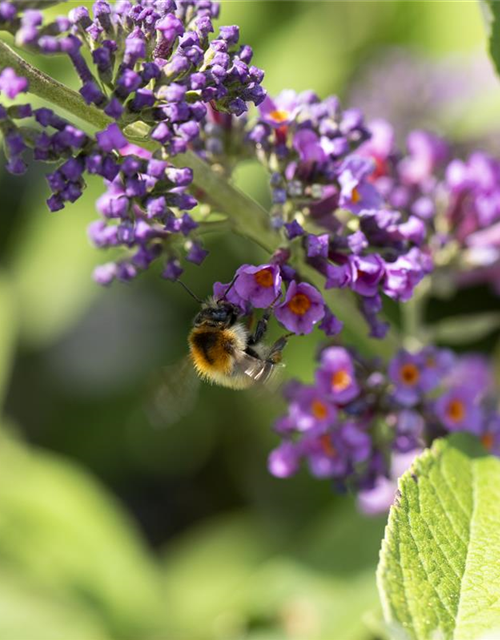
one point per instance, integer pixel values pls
(217, 313)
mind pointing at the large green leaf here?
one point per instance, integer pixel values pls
(439, 571)
(61, 531)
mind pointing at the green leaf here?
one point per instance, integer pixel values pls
(491, 13)
(439, 571)
(27, 613)
(60, 531)
(465, 329)
(8, 330)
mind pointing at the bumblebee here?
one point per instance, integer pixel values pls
(224, 352)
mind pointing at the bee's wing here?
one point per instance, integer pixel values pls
(259, 371)
(172, 394)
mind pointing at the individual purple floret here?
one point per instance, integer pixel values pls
(458, 410)
(490, 433)
(380, 497)
(302, 308)
(260, 286)
(11, 84)
(409, 374)
(335, 375)
(309, 410)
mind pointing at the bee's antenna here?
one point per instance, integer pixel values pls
(231, 284)
(271, 306)
(189, 291)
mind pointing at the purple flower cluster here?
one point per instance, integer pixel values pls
(407, 182)
(345, 425)
(473, 217)
(451, 207)
(326, 170)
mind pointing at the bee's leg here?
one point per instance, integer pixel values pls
(277, 348)
(260, 329)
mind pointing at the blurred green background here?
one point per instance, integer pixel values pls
(112, 529)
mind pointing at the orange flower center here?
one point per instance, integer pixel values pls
(279, 115)
(264, 278)
(299, 304)
(341, 380)
(430, 362)
(327, 446)
(456, 410)
(319, 409)
(410, 373)
(355, 196)
(487, 439)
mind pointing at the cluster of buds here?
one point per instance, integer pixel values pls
(145, 206)
(153, 63)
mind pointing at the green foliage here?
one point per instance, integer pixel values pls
(7, 331)
(52, 266)
(491, 12)
(465, 329)
(27, 613)
(439, 572)
(37, 4)
(60, 533)
(237, 577)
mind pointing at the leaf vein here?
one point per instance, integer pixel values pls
(427, 574)
(474, 506)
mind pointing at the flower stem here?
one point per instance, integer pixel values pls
(413, 321)
(43, 86)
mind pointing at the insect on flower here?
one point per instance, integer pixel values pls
(224, 352)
